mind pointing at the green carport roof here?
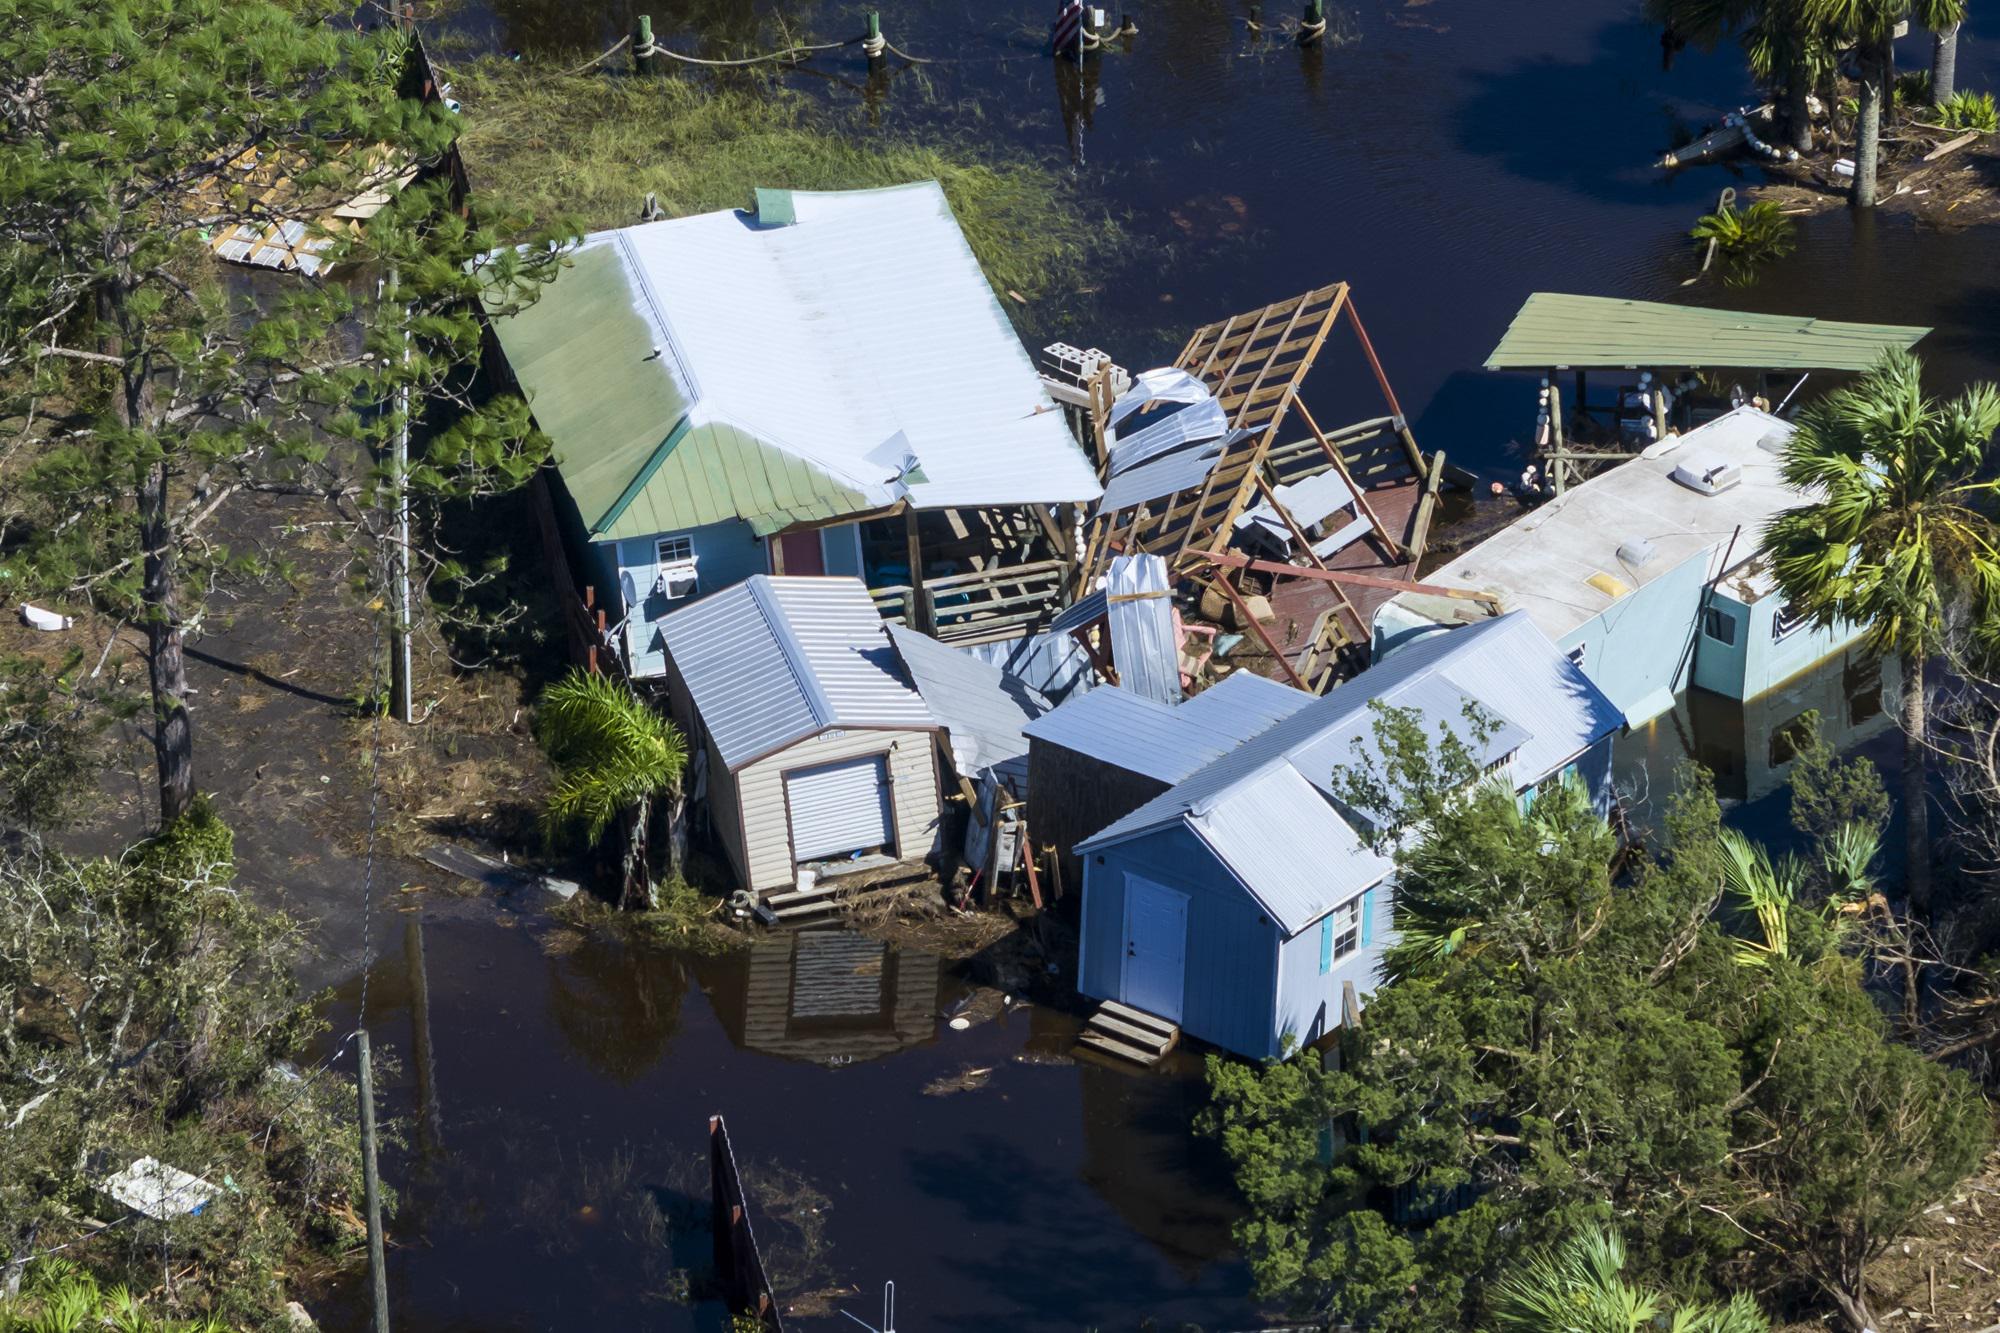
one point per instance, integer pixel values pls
(623, 437)
(1555, 330)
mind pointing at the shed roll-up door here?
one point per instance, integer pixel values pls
(840, 808)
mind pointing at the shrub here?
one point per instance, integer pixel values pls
(1746, 239)
(1970, 111)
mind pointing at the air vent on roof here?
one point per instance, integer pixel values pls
(1773, 441)
(1636, 552)
(1708, 474)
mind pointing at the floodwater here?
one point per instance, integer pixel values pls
(1449, 158)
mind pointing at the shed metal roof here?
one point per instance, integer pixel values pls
(772, 660)
(1548, 705)
(1131, 732)
(981, 707)
(1554, 329)
(805, 366)
(1244, 703)
(1294, 890)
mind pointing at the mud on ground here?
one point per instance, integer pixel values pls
(280, 671)
(1958, 189)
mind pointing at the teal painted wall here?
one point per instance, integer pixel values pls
(1637, 650)
(726, 554)
(1760, 661)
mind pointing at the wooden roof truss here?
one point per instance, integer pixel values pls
(1254, 364)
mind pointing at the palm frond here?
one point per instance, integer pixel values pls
(611, 751)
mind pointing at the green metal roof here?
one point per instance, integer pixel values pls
(1589, 331)
(624, 442)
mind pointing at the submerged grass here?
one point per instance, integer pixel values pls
(583, 150)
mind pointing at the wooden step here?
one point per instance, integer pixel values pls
(1134, 1054)
(1137, 1018)
(792, 897)
(1108, 1026)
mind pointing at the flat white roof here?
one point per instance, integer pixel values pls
(1560, 562)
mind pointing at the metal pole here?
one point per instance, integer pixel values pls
(378, 1273)
(400, 688)
(430, 1118)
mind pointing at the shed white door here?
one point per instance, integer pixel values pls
(1155, 948)
(839, 808)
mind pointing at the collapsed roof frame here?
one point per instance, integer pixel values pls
(1254, 363)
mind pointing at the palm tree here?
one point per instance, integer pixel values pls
(1787, 50)
(1899, 536)
(1869, 26)
(614, 756)
(1581, 1288)
(1944, 55)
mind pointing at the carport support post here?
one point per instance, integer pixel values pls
(1659, 405)
(913, 552)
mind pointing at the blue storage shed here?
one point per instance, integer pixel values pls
(1245, 904)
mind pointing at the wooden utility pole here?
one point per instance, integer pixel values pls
(371, 1182)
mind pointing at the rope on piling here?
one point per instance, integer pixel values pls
(618, 46)
(792, 53)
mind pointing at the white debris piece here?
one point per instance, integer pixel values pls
(159, 1191)
(34, 617)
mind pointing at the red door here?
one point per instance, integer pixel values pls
(799, 553)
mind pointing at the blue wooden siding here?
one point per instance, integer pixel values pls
(1308, 1000)
(725, 554)
(1231, 958)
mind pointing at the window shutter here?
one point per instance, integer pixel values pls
(1367, 918)
(1326, 944)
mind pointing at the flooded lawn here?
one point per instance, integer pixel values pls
(555, 1111)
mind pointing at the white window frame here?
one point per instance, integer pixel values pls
(1576, 655)
(1346, 920)
(673, 553)
(1785, 622)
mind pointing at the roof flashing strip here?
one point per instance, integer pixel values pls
(635, 487)
(773, 612)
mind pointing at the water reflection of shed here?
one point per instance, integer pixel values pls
(832, 995)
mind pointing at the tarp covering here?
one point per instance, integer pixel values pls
(1558, 330)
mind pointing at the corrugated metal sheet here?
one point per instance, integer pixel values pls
(1166, 475)
(1142, 628)
(773, 660)
(1505, 664)
(1554, 329)
(811, 360)
(1136, 734)
(1052, 663)
(1244, 704)
(981, 708)
(1294, 889)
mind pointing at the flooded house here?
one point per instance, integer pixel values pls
(1647, 575)
(823, 384)
(828, 741)
(808, 738)
(1691, 365)
(1247, 904)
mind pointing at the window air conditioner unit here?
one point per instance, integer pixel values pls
(676, 580)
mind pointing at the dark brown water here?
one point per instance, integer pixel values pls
(1451, 158)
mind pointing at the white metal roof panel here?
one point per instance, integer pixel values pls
(1506, 664)
(774, 660)
(1131, 732)
(1288, 846)
(1244, 703)
(859, 334)
(1168, 474)
(1141, 611)
(981, 707)
(1543, 563)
